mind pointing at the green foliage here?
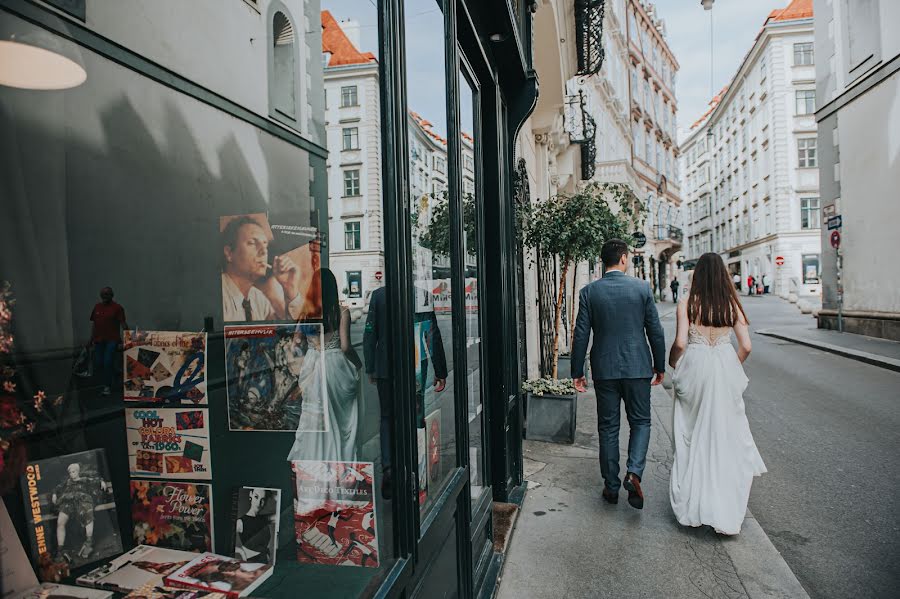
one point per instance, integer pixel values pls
(436, 235)
(548, 386)
(575, 227)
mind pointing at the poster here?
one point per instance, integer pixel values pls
(268, 263)
(433, 443)
(168, 442)
(166, 367)
(334, 517)
(256, 524)
(172, 514)
(422, 470)
(271, 385)
(69, 508)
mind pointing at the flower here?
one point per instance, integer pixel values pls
(39, 398)
(9, 386)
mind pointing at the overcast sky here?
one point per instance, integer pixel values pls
(735, 25)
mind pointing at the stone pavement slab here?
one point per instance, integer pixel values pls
(570, 544)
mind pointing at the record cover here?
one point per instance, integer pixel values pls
(165, 367)
(274, 381)
(220, 573)
(70, 509)
(268, 268)
(257, 514)
(334, 518)
(139, 566)
(168, 442)
(177, 515)
(51, 590)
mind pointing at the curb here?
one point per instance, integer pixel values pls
(853, 354)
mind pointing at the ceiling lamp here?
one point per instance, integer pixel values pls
(39, 60)
(707, 4)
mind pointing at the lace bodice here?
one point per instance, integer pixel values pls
(332, 341)
(717, 336)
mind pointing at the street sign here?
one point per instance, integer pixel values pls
(378, 275)
(835, 239)
(640, 240)
(834, 222)
(779, 260)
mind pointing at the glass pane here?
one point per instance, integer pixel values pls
(430, 217)
(471, 210)
(246, 392)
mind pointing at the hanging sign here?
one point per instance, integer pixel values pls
(640, 240)
(834, 222)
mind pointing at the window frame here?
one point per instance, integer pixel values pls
(348, 91)
(353, 230)
(807, 152)
(804, 51)
(357, 182)
(810, 215)
(809, 95)
(353, 138)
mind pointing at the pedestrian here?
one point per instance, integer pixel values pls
(765, 281)
(750, 286)
(622, 315)
(108, 321)
(715, 455)
(674, 287)
(737, 281)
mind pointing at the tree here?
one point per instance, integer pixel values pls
(436, 234)
(574, 227)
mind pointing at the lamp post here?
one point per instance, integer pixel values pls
(708, 5)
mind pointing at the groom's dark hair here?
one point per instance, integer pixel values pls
(612, 252)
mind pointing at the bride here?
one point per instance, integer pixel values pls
(715, 456)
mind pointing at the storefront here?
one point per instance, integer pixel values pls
(230, 403)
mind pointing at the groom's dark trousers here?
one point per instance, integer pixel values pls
(620, 312)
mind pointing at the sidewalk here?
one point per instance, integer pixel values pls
(568, 543)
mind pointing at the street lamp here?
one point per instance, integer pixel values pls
(708, 5)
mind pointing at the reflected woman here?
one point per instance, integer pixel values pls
(329, 381)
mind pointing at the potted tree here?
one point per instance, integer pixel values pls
(571, 228)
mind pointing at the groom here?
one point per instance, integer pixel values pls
(620, 311)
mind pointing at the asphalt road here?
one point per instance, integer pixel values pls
(828, 429)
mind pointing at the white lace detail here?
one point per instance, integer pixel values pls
(719, 336)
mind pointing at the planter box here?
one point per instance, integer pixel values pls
(551, 418)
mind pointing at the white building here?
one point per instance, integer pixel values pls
(858, 94)
(353, 126)
(749, 166)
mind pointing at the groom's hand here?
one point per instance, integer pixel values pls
(658, 379)
(580, 384)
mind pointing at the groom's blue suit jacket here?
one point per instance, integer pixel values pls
(621, 313)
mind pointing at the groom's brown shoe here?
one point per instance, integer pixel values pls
(610, 496)
(632, 484)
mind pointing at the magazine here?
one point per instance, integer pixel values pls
(50, 590)
(271, 385)
(132, 570)
(16, 574)
(334, 518)
(220, 574)
(433, 433)
(69, 508)
(422, 470)
(168, 442)
(177, 515)
(153, 591)
(257, 513)
(166, 367)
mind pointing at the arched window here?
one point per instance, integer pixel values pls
(284, 72)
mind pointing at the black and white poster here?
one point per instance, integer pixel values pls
(256, 524)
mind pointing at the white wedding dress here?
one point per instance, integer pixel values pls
(715, 456)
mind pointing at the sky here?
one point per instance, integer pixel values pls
(735, 25)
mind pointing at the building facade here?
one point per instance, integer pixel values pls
(215, 202)
(750, 165)
(858, 116)
(654, 108)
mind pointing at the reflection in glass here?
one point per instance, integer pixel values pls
(468, 154)
(430, 220)
(284, 69)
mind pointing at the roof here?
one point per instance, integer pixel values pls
(797, 9)
(336, 42)
(712, 106)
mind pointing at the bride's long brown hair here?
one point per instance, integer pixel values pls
(713, 301)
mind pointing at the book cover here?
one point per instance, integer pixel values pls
(138, 567)
(220, 574)
(433, 434)
(334, 516)
(165, 367)
(16, 574)
(257, 514)
(177, 515)
(168, 442)
(51, 590)
(273, 382)
(69, 508)
(422, 470)
(153, 591)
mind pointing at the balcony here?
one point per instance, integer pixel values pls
(589, 35)
(668, 233)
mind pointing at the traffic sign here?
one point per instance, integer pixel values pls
(378, 275)
(779, 260)
(835, 239)
(640, 240)
(834, 222)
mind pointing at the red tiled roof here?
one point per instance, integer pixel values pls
(342, 50)
(797, 9)
(712, 106)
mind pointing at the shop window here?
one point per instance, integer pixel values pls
(352, 239)
(810, 218)
(351, 183)
(806, 152)
(349, 96)
(811, 270)
(350, 138)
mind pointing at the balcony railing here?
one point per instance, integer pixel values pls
(669, 233)
(589, 35)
